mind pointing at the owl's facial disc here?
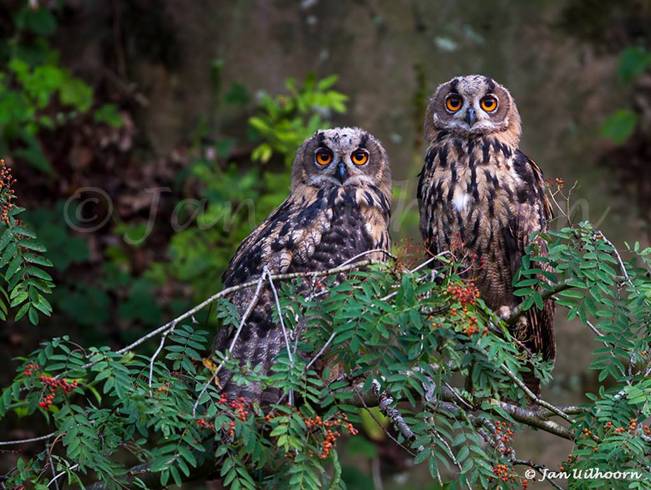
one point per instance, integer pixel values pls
(471, 105)
(342, 157)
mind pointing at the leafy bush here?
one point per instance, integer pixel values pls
(36, 93)
(386, 336)
(25, 283)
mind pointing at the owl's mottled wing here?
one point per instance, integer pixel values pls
(312, 230)
(532, 215)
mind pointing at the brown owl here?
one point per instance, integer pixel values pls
(339, 206)
(481, 197)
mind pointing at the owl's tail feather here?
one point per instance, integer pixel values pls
(540, 339)
(256, 350)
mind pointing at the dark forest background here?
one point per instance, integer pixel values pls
(149, 137)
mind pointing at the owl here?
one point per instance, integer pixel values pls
(482, 198)
(339, 207)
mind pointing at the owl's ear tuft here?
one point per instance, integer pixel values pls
(363, 140)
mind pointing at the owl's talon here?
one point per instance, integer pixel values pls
(504, 312)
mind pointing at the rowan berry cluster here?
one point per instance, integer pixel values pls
(632, 428)
(239, 405)
(588, 433)
(504, 434)
(331, 434)
(203, 423)
(466, 294)
(47, 401)
(502, 472)
(471, 327)
(55, 384)
(31, 368)
(231, 429)
(241, 409)
(331, 429)
(7, 194)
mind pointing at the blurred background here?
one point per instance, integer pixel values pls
(149, 137)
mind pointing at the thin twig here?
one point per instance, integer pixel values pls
(48, 450)
(367, 252)
(53, 480)
(376, 471)
(622, 266)
(27, 441)
(323, 349)
(416, 269)
(594, 328)
(158, 351)
(282, 326)
(451, 454)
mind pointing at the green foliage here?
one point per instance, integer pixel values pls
(633, 62)
(619, 126)
(25, 283)
(385, 326)
(36, 92)
(286, 121)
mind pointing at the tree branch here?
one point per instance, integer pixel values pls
(385, 402)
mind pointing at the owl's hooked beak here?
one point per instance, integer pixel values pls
(471, 116)
(342, 171)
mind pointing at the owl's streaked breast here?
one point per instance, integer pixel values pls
(467, 190)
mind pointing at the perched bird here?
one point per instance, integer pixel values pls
(481, 197)
(339, 207)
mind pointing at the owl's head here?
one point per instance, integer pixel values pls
(342, 157)
(473, 105)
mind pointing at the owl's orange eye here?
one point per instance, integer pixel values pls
(453, 102)
(323, 156)
(359, 156)
(488, 103)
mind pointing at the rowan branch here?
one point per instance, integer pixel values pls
(449, 400)
(385, 402)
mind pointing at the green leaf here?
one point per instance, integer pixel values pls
(633, 61)
(619, 126)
